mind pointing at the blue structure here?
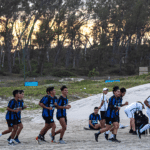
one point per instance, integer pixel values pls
(31, 83)
(108, 81)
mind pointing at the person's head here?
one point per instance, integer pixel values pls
(116, 91)
(122, 91)
(21, 94)
(51, 91)
(105, 90)
(47, 90)
(16, 93)
(64, 90)
(96, 110)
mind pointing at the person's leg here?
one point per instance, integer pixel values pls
(45, 129)
(64, 127)
(7, 131)
(20, 127)
(97, 126)
(102, 123)
(132, 122)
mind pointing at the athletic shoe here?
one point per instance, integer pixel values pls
(38, 140)
(17, 140)
(131, 131)
(62, 142)
(115, 140)
(53, 141)
(134, 133)
(96, 137)
(106, 136)
(111, 139)
(11, 144)
(138, 133)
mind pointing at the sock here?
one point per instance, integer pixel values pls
(16, 137)
(147, 126)
(112, 136)
(9, 138)
(0, 134)
(107, 132)
(53, 137)
(99, 133)
(60, 138)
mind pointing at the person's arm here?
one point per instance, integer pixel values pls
(43, 106)
(90, 123)
(126, 103)
(146, 103)
(102, 102)
(12, 110)
(62, 107)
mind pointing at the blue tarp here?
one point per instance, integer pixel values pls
(35, 83)
(107, 81)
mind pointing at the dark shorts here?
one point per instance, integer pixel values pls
(19, 121)
(110, 121)
(48, 120)
(11, 123)
(63, 117)
(102, 114)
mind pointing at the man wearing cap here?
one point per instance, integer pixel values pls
(103, 106)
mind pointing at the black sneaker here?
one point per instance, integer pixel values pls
(115, 140)
(111, 139)
(134, 133)
(96, 137)
(106, 136)
(131, 131)
(138, 133)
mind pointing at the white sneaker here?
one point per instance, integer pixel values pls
(62, 142)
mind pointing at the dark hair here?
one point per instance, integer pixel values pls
(49, 89)
(122, 90)
(63, 87)
(115, 88)
(95, 108)
(21, 91)
(15, 92)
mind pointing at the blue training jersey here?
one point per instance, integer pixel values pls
(21, 105)
(94, 118)
(48, 101)
(119, 104)
(13, 104)
(111, 110)
(62, 102)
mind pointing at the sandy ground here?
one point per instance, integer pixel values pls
(75, 136)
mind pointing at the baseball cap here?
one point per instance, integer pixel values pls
(105, 89)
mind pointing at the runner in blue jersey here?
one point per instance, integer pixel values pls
(111, 117)
(19, 123)
(120, 100)
(48, 103)
(61, 113)
(11, 117)
(93, 120)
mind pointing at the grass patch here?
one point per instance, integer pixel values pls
(2, 110)
(76, 90)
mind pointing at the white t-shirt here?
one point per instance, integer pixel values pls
(148, 100)
(105, 104)
(134, 107)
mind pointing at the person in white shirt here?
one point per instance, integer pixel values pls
(147, 126)
(130, 110)
(103, 107)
